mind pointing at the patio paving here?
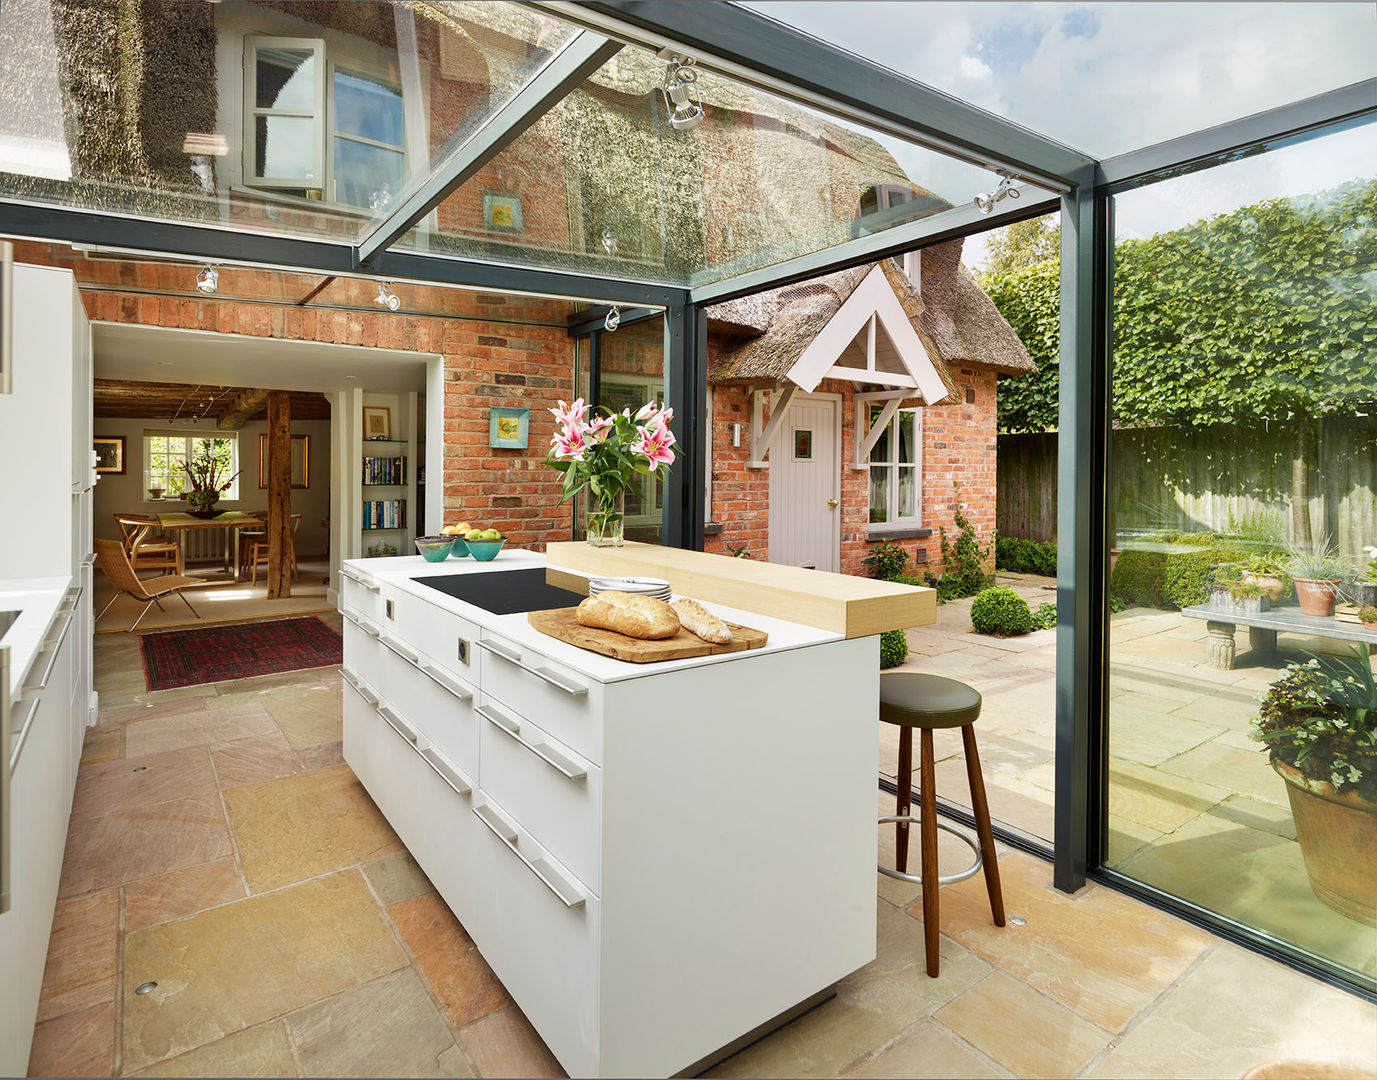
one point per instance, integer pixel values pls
(298, 947)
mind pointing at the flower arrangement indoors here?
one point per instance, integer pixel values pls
(204, 486)
(603, 452)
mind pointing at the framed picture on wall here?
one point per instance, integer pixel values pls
(301, 461)
(509, 429)
(502, 213)
(377, 422)
(109, 453)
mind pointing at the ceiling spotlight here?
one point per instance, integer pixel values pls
(1005, 190)
(208, 280)
(680, 89)
(386, 297)
(613, 320)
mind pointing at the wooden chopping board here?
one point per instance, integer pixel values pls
(560, 623)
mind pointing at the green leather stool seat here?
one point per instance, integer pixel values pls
(912, 699)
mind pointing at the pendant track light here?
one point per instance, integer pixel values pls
(680, 90)
(1004, 190)
(208, 281)
(386, 297)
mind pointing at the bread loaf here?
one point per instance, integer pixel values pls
(635, 616)
(699, 620)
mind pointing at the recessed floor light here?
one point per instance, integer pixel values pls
(1018, 920)
(146, 988)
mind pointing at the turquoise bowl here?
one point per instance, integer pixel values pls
(434, 548)
(461, 549)
(485, 550)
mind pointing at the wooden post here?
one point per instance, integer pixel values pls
(279, 493)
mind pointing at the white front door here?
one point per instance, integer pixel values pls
(805, 486)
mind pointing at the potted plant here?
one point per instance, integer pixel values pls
(1319, 723)
(1368, 617)
(204, 485)
(1238, 597)
(1365, 588)
(1267, 571)
(1319, 575)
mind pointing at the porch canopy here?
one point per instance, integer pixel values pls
(532, 148)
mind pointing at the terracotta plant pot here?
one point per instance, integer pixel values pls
(1316, 597)
(1269, 583)
(1338, 840)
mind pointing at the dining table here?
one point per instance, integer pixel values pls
(178, 525)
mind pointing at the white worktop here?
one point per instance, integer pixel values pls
(38, 599)
(399, 571)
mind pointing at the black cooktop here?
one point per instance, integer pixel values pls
(504, 592)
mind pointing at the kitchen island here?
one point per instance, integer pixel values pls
(657, 860)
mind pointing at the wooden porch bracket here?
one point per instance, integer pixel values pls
(761, 440)
(875, 430)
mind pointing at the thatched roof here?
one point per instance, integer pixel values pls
(957, 322)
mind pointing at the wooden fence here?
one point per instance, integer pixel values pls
(1186, 479)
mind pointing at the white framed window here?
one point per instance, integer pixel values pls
(617, 392)
(320, 128)
(896, 469)
(166, 453)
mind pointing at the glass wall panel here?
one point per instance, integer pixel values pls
(1244, 462)
(607, 183)
(287, 116)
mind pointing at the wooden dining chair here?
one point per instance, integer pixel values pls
(115, 565)
(145, 550)
(248, 536)
(258, 551)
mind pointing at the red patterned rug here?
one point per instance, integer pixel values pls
(241, 651)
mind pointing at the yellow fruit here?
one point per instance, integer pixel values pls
(451, 530)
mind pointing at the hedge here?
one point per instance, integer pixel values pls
(1026, 556)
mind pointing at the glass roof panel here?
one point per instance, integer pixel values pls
(604, 184)
(282, 116)
(1106, 78)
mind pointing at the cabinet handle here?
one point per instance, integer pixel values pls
(446, 770)
(392, 645)
(397, 724)
(542, 750)
(367, 628)
(33, 688)
(506, 832)
(440, 680)
(554, 678)
(360, 581)
(369, 698)
(89, 560)
(23, 728)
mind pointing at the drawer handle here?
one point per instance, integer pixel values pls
(542, 750)
(56, 646)
(397, 724)
(437, 678)
(395, 646)
(359, 581)
(554, 678)
(359, 688)
(506, 832)
(446, 770)
(367, 628)
(20, 733)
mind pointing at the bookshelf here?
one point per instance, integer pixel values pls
(384, 479)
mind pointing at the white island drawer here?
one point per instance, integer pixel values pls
(434, 701)
(548, 788)
(563, 701)
(360, 593)
(443, 636)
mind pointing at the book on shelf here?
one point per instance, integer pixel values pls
(384, 470)
(384, 514)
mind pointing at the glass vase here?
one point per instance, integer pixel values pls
(604, 518)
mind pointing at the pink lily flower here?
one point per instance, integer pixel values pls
(599, 427)
(654, 445)
(569, 445)
(570, 415)
(660, 426)
(647, 410)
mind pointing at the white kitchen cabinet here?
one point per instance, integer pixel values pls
(654, 859)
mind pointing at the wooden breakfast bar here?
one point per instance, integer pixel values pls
(612, 834)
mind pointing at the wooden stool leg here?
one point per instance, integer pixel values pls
(928, 828)
(981, 811)
(903, 801)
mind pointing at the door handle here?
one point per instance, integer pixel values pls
(831, 504)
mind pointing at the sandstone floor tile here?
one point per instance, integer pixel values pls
(208, 727)
(1244, 772)
(1160, 800)
(238, 965)
(1257, 814)
(182, 892)
(102, 744)
(82, 954)
(448, 959)
(1152, 737)
(1012, 801)
(258, 1051)
(295, 828)
(303, 679)
(1128, 838)
(119, 714)
(323, 756)
(1236, 1010)
(143, 842)
(927, 1050)
(504, 1044)
(254, 760)
(389, 1027)
(146, 781)
(78, 1044)
(311, 717)
(1101, 953)
(1022, 1030)
(872, 1006)
(396, 877)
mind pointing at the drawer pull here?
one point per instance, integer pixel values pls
(446, 770)
(367, 628)
(395, 646)
(359, 581)
(554, 678)
(397, 724)
(362, 690)
(444, 683)
(55, 644)
(542, 750)
(506, 832)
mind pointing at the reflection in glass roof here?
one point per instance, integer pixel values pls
(1106, 78)
(603, 184)
(286, 116)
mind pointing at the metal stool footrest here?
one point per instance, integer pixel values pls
(949, 879)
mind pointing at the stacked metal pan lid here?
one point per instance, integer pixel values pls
(655, 588)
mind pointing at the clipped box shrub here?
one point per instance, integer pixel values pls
(893, 648)
(1026, 556)
(1174, 579)
(1000, 610)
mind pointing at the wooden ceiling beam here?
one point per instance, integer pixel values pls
(240, 407)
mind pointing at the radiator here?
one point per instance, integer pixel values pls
(207, 545)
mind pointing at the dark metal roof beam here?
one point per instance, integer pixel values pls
(579, 58)
(585, 322)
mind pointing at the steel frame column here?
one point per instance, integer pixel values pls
(686, 392)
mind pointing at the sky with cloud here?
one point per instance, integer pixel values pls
(1107, 78)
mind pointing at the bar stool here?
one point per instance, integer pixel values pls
(911, 700)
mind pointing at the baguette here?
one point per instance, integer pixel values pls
(635, 616)
(699, 620)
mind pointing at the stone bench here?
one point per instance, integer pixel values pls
(1264, 627)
